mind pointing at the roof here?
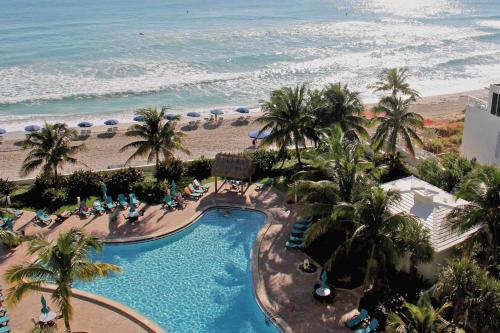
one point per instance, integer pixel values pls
(233, 166)
(431, 205)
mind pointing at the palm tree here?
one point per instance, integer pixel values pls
(415, 240)
(420, 318)
(482, 190)
(50, 148)
(157, 136)
(341, 106)
(396, 123)
(60, 262)
(288, 117)
(395, 81)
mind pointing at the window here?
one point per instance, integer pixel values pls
(497, 152)
(495, 105)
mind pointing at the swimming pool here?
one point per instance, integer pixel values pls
(197, 280)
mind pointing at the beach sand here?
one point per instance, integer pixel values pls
(103, 151)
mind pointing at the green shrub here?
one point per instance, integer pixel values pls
(200, 168)
(172, 170)
(123, 181)
(151, 191)
(84, 184)
(264, 161)
(434, 146)
(53, 198)
(7, 187)
(447, 172)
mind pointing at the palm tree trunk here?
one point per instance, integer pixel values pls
(369, 268)
(66, 324)
(157, 165)
(297, 151)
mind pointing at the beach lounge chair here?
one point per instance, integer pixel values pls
(261, 185)
(121, 200)
(371, 327)
(4, 320)
(191, 195)
(357, 320)
(98, 208)
(296, 239)
(84, 210)
(110, 204)
(134, 199)
(42, 217)
(180, 201)
(193, 190)
(7, 224)
(4, 329)
(168, 202)
(294, 246)
(199, 185)
(63, 216)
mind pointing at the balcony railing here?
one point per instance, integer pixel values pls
(477, 103)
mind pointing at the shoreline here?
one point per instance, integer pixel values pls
(103, 151)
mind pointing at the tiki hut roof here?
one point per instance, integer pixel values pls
(233, 166)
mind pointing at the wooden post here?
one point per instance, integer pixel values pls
(216, 190)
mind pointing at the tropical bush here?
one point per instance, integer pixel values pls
(264, 161)
(7, 187)
(446, 172)
(200, 168)
(171, 170)
(123, 181)
(53, 198)
(150, 190)
(84, 184)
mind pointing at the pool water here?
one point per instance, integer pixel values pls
(197, 280)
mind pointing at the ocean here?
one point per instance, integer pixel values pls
(70, 60)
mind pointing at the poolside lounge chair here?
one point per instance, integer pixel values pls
(98, 208)
(110, 204)
(63, 216)
(296, 239)
(168, 202)
(305, 222)
(193, 190)
(84, 210)
(294, 246)
(121, 200)
(261, 185)
(180, 201)
(357, 319)
(199, 185)
(4, 329)
(371, 327)
(7, 223)
(134, 199)
(191, 195)
(4, 320)
(42, 217)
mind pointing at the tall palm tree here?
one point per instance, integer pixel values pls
(156, 137)
(419, 318)
(343, 107)
(395, 81)
(482, 190)
(396, 123)
(288, 117)
(60, 262)
(50, 149)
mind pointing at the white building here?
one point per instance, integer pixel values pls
(481, 139)
(431, 205)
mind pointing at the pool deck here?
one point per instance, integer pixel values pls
(281, 289)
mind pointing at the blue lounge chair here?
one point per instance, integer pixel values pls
(167, 200)
(262, 184)
(8, 224)
(42, 217)
(98, 207)
(305, 222)
(193, 190)
(192, 195)
(4, 329)
(134, 199)
(122, 201)
(4, 319)
(109, 203)
(294, 246)
(356, 320)
(371, 327)
(84, 210)
(296, 239)
(199, 185)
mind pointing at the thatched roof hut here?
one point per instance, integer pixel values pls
(233, 166)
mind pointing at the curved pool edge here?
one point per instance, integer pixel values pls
(144, 322)
(259, 288)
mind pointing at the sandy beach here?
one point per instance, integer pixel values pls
(103, 151)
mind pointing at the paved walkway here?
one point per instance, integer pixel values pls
(289, 290)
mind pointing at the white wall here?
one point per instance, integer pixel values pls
(481, 137)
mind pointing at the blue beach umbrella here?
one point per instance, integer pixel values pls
(324, 280)
(104, 190)
(170, 116)
(2, 131)
(172, 189)
(217, 112)
(242, 110)
(193, 114)
(111, 122)
(45, 309)
(139, 118)
(85, 124)
(32, 128)
(258, 134)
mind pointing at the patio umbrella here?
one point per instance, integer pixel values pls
(258, 134)
(193, 114)
(217, 112)
(45, 308)
(170, 116)
(172, 189)
(139, 118)
(85, 124)
(104, 190)
(46, 314)
(111, 122)
(242, 110)
(2, 131)
(32, 128)
(324, 280)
